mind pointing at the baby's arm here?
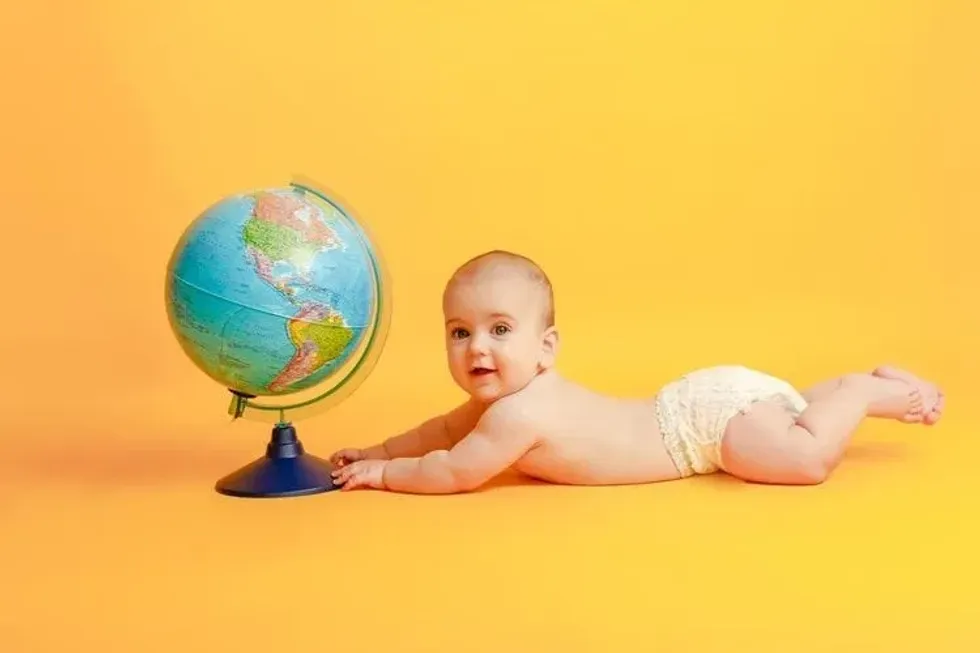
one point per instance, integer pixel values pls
(502, 436)
(439, 432)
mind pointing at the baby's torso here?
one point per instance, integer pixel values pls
(588, 438)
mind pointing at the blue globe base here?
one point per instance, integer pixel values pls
(285, 470)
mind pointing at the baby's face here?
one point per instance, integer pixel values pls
(496, 339)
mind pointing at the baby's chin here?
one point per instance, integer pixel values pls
(490, 392)
(482, 389)
(484, 398)
(484, 392)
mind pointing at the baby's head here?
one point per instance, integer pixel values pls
(500, 324)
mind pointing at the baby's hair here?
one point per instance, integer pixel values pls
(507, 259)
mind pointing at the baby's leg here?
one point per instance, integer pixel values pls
(932, 397)
(767, 445)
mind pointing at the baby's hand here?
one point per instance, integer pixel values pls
(346, 456)
(363, 473)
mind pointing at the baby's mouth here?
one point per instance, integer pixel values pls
(481, 371)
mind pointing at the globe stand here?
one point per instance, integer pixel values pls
(286, 470)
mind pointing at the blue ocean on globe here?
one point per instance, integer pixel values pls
(270, 292)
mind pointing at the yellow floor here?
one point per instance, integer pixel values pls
(112, 545)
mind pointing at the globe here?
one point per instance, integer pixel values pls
(278, 291)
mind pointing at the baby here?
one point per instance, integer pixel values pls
(502, 342)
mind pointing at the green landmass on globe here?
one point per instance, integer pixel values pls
(270, 292)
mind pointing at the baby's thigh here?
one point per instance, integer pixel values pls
(765, 445)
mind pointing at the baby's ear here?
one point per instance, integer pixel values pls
(549, 345)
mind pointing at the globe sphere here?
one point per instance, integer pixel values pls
(274, 291)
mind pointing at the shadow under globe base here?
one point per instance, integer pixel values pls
(286, 470)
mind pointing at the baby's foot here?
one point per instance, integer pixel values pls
(932, 397)
(887, 398)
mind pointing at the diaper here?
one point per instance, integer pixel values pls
(693, 411)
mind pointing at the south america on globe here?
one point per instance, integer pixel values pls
(269, 292)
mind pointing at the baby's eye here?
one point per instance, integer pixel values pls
(500, 330)
(459, 333)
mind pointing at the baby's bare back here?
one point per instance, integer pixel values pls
(586, 438)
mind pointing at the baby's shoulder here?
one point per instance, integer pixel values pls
(517, 407)
(530, 408)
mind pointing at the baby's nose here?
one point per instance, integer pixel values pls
(479, 343)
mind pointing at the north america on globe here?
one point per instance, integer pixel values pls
(285, 231)
(271, 291)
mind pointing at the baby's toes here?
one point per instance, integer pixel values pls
(915, 409)
(930, 396)
(936, 413)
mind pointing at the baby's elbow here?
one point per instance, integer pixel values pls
(466, 482)
(468, 479)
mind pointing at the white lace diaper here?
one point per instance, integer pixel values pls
(694, 410)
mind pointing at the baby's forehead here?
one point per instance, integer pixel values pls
(509, 293)
(504, 282)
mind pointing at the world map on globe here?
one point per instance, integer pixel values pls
(270, 292)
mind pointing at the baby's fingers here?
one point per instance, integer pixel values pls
(344, 457)
(352, 481)
(345, 476)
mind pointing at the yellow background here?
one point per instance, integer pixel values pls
(787, 185)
